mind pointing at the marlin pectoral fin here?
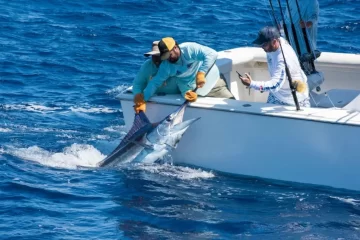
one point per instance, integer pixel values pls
(144, 145)
(172, 147)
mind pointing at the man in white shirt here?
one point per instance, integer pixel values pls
(278, 86)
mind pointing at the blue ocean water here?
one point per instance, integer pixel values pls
(62, 64)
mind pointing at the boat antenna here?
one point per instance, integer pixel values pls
(292, 87)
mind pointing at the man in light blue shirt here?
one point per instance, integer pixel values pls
(303, 17)
(147, 72)
(305, 24)
(194, 67)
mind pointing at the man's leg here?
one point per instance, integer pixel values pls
(220, 90)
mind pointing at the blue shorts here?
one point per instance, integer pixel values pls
(273, 100)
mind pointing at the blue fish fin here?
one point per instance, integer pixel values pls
(141, 125)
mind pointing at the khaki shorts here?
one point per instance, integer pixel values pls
(220, 90)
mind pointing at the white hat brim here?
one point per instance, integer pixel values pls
(148, 54)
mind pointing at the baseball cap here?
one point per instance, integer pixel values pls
(165, 46)
(154, 50)
(265, 35)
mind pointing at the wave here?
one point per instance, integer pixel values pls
(169, 170)
(77, 155)
(11, 82)
(118, 90)
(83, 155)
(351, 201)
(118, 129)
(30, 107)
(23, 128)
(34, 107)
(94, 110)
(5, 130)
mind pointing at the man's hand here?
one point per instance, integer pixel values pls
(190, 96)
(140, 104)
(306, 24)
(246, 80)
(200, 79)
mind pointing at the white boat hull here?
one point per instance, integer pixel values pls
(315, 145)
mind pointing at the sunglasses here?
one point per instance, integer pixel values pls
(265, 44)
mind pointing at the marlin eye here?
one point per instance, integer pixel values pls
(168, 119)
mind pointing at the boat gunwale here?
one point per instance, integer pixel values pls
(257, 109)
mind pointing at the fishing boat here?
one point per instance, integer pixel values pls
(316, 145)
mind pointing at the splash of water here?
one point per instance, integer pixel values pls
(70, 158)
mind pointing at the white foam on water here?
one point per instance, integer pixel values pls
(5, 130)
(102, 137)
(351, 201)
(70, 158)
(30, 107)
(118, 90)
(23, 128)
(117, 128)
(99, 137)
(65, 135)
(34, 107)
(180, 172)
(93, 109)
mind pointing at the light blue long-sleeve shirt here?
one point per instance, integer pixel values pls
(309, 10)
(146, 73)
(194, 58)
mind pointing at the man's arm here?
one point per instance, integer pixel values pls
(276, 81)
(184, 86)
(203, 53)
(161, 76)
(141, 78)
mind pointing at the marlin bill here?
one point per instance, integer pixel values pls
(148, 142)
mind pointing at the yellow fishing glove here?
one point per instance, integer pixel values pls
(140, 104)
(190, 96)
(300, 86)
(200, 79)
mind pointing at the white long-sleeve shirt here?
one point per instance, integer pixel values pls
(278, 85)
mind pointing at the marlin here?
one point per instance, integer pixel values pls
(148, 142)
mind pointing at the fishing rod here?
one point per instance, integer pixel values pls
(292, 26)
(284, 25)
(305, 35)
(308, 48)
(292, 87)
